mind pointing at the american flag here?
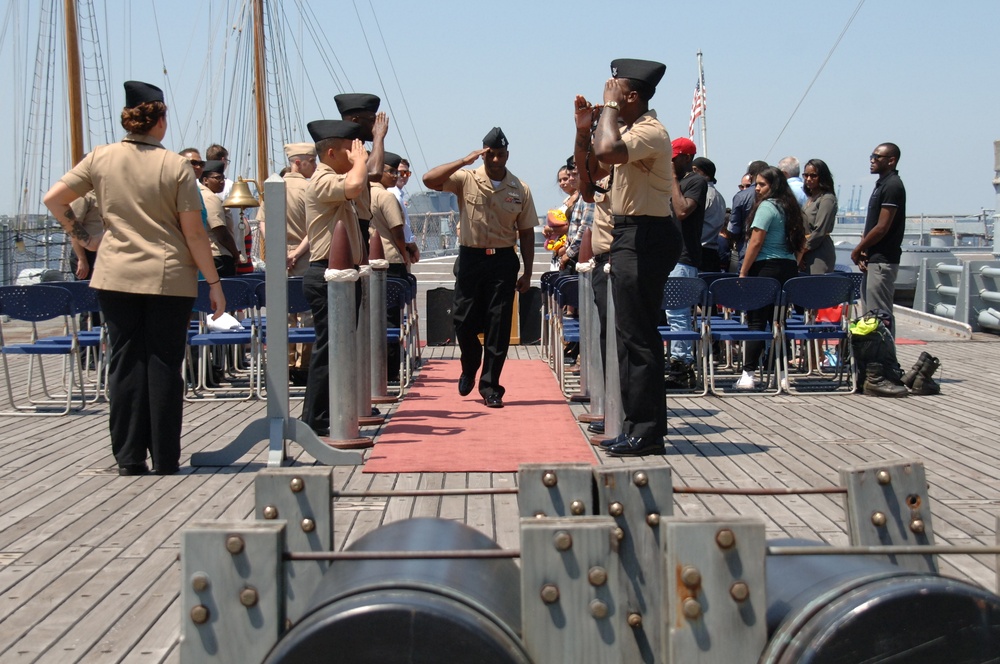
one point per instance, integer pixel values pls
(697, 107)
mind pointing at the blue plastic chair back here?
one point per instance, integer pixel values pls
(397, 293)
(84, 297)
(238, 293)
(569, 291)
(36, 302)
(711, 277)
(746, 293)
(818, 291)
(683, 292)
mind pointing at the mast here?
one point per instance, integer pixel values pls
(73, 81)
(704, 110)
(260, 89)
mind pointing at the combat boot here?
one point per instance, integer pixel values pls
(877, 385)
(924, 384)
(911, 375)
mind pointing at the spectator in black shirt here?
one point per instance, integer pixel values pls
(743, 202)
(878, 252)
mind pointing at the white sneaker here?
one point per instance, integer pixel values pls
(746, 382)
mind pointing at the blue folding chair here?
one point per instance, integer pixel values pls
(547, 286)
(682, 293)
(397, 297)
(742, 295)
(239, 296)
(297, 334)
(35, 304)
(567, 327)
(811, 336)
(93, 342)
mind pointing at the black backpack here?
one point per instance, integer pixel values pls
(872, 341)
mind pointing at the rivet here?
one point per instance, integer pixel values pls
(653, 519)
(883, 477)
(563, 541)
(549, 479)
(248, 597)
(691, 608)
(597, 576)
(725, 538)
(550, 593)
(690, 576)
(288, 624)
(200, 614)
(270, 512)
(539, 515)
(199, 582)
(576, 508)
(634, 620)
(234, 544)
(739, 591)
(917, 526)
(878, 519)
(598, 609)
(308, 525)
(619, 534)
(297, 484)
(640, 478)
(616, 509)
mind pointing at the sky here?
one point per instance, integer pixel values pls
(917, 73)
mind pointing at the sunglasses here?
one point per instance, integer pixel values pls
(195, 162)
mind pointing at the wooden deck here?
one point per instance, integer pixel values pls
(89, 566)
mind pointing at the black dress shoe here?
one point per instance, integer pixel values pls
(166, 470)
(608, 442)
(465, 384)
(596, 427)
(494, 401)
(634, 446)
(133, 470)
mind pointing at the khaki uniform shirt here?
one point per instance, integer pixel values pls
(644, 184)
(363, 203)
(491, 218)
(600, 232)
(326, 204)
(88, 213)
(387, 214)
(216, 219)
(141, 190)
(295, 216)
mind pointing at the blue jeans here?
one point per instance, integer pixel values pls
(680, 319)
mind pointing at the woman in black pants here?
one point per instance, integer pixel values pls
(777, 239)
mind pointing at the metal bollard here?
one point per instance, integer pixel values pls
(613, 414)
(586, 312)
(376, 300)
(590, 340)
(363, 338)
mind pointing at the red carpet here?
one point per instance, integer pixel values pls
(910, 342)
(435, 430)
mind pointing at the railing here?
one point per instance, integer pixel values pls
(960, 291)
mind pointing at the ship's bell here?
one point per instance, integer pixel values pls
(240, 196)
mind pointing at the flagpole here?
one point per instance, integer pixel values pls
(704, 110)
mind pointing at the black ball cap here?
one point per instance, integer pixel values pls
(392, 160)
(706, 166)
(214, 166)
(647, 71)
(495, 139)
(323, 129)
(354, 102)
(137, 92)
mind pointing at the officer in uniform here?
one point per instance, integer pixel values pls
(645, 246)
(224, 249)
(362, 109)
(497, 211)
(146, 277)
(340, 177)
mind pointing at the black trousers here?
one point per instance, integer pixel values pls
(484, 303)
(642, 256)
(148, 334)
(225, 266)
(88, 319)
(393, 318)
(599, 281)
(316, 405)
(777, 268)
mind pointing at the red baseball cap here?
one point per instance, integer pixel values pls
(684, 146)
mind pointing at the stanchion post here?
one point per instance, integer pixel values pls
(613, 414)
(376, 298)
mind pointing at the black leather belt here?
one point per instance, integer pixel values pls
(601, 259)
(624, 220)
(322, 264)
(481, 251)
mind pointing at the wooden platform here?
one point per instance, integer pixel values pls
(89, 566)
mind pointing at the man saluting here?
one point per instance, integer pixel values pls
(497, 211)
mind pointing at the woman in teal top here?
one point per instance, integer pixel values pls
(777, 239)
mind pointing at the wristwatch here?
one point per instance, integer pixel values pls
(612, 104)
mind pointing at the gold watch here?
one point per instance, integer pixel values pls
(612, 104)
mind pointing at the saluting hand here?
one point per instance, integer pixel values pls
(473, 156)
(358, 152)
(217, 299)
(381, 126)
(613, 91)
(586, 114)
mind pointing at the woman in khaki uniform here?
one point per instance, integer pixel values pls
(150, 256)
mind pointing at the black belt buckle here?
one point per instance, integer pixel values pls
(490, 251)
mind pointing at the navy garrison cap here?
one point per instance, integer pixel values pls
(647, 71)
(352, 103)
(392, 160)
(137, 92)
(323, 129)
(214, 166)
(495, 139)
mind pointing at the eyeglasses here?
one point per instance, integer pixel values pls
(876, 157)
(195, 162)
(392, 171)
(403, 173)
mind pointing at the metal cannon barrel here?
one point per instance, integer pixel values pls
(825, 609)
(412, 611)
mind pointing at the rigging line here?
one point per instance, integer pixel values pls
(163, 59)
(406, 107)
(321, 35)
(820, 71)
(305, 71)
